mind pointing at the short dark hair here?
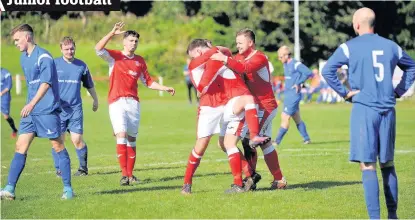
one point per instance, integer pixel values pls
(195, 43)
(131, 33)
(67, 40)
(22, 28)
(247, 33)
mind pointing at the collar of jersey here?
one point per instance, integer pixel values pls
(128, 56)
(32, 51)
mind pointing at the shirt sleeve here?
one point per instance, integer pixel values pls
(86, 79)
(8, 79)
(248, 67)
(340, 57)
(407, 64)
(145, 76)
(304, 71)
(47, 68)
(106, 54)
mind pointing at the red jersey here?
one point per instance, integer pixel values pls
(124, 74)
(211, 78)
(258, 77)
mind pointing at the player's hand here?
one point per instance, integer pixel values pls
(350, 94)
(116, 30)
(219, 57)
(95, 106)
(26, 110)
(170, 90)
(296, 87)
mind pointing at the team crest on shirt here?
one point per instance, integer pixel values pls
(137, 63)
(132, 73)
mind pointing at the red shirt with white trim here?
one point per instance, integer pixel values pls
(124, 74)
(257, 76)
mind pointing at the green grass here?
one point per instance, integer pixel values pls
(322, 183)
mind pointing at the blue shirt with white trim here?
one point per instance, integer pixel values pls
(6, 83)
(38, 68)
(371, 60)
(70, 76)
(295, 73)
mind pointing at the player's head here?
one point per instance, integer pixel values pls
(284, 54)
(197, 47)
(130, 40)
(245, 40)
(22, 36)
(364, 21)
(68, 47)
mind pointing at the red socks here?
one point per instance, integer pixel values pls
(192, 164)
(235, 162)
(271, 159)
(131, 154)
(251, 118)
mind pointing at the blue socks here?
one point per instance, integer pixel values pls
(83, 158)
(16, 167)
(65, 167)
(371, 189)
(390, 186)
(280, 135)
(303, 131)
(55, 159)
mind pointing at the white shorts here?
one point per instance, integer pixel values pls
(231, 123)
(265, 123)
(125, 116)
(208, 120)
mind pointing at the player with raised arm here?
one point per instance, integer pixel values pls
(253, 65)
(371, 60)
(126, 68)
(71, 72)
(216, 82)
(6, 86)
(295, 74)
(40, 117)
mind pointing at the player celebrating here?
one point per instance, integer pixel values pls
(216, 82)
(371, 60)
(126, 68)
(71, 72)
(39, 116)
(254, 66)
(6, 86)
(296, 74)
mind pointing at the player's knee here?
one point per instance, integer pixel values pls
(78, 141)
(121, 135)
(5, 116)
(131, 139)
(387, 164)
(367, 166)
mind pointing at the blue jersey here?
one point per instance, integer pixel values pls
(371, 60)
(39, 68)
(70, 76)
(295, 73)
(6, 83)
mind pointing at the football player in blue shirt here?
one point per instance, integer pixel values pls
(6, 86)
(371, 60)
(40, 116)
(295, 74)
(71, 72)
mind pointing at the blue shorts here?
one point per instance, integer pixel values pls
(5, 105)
(291, 102)
(44, 126)
(372, 134)
(72, 121)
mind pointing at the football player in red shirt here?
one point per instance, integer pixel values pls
(253, 66)
(126, 68)
(216, 82)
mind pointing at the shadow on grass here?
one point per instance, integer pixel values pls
(330, 142)
(164, 179)
(136, 189)
(137, 170)
(317, 185)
